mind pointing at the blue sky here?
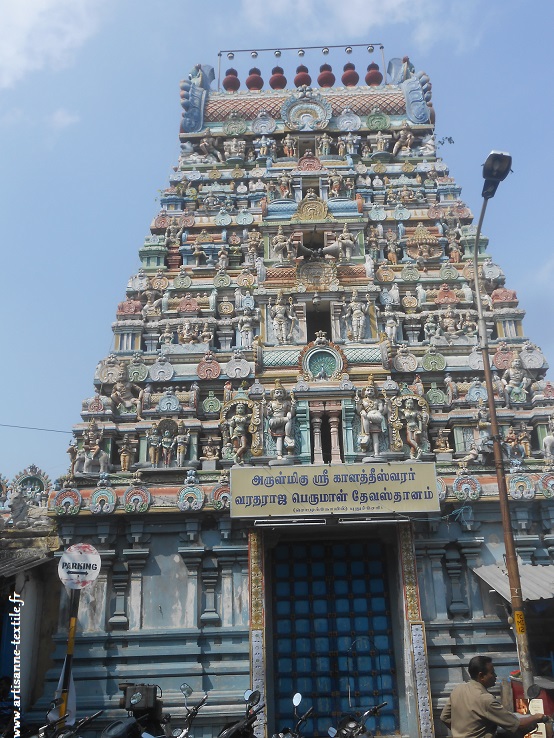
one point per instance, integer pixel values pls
(89, 121)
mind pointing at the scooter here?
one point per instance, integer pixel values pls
(351, 726)
(244, 728)
(301, 719)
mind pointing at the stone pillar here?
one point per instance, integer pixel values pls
(348, 416)
(333, 413)
(316, 413)
(303, 423)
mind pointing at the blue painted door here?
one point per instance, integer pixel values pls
(332, 633)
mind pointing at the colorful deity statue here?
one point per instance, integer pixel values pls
(373, 412)
(281, 410)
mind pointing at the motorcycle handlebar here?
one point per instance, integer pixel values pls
(373, 711)
(303, 719)
(86, 720)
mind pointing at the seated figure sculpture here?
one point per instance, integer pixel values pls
(516, 381)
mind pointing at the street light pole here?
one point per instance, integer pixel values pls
(495, 170)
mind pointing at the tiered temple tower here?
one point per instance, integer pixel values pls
(305, 299)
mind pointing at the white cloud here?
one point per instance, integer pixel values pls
(37, 34)
(427, 21)
(62, 118)
(13, 117)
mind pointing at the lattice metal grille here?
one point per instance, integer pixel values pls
(332, 633)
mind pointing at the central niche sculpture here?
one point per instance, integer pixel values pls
(306, 111)
(320, 362)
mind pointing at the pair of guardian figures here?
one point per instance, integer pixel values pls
(408, 414)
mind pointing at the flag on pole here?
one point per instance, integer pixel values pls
(71, 709)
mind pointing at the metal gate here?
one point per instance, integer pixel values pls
(332, 633)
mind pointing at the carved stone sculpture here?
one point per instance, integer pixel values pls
(281, 410)
(516, 381)
(372, 412)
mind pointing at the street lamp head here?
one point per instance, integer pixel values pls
(495, 170)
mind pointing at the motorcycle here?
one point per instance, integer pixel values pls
(244, 728)
(146, 720)
(192, 712)
(56, 729)
(301, 719)
(351, 726)
(144, 708)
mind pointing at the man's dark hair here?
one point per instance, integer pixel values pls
(478, 665)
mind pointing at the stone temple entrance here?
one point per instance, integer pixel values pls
(332, 632)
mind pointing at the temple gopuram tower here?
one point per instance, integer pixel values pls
(286, 464)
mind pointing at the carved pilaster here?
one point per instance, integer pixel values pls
(436, 557)
(471, 549)
(209, 574)
(94, 598)
(257, 646)
(120, 584)
(228, 558)
(316, 415)
(192, 558)
(348, 414)
(136, 559)
(458, 607)
(417, 670)
(303, 423)
(333, 413)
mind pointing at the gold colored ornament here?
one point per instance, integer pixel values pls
(409, 572)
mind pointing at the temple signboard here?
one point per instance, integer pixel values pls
(356, 489)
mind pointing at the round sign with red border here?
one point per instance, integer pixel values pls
(79, 566)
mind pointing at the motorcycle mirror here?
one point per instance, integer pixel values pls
(533, 691)
(136, 698)
(297, 699)
(247, 694)
(186, 689)
(254, 698)
(332, 732)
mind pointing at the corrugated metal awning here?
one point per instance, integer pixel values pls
(537, 582)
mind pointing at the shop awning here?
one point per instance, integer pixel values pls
(537, 582)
